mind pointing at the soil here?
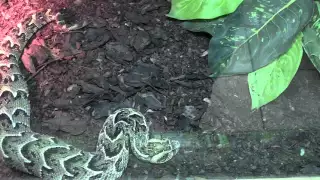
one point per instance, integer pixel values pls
(130, 54)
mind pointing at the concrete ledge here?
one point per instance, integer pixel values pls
(230, 109)
(298, 107)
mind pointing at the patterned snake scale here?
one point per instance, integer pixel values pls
(50, 158)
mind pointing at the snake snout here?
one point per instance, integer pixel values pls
(175, 146)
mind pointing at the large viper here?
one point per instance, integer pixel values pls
(50, 158)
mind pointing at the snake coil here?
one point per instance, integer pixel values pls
(49, 157)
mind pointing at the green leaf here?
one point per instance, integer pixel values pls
(256, 34)
(201, 9)
(311, 38)
(267, 83)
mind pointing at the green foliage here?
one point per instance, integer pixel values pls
(267, 83)
(201, 9)
(256, 34)
(262, 38)
(311, 38)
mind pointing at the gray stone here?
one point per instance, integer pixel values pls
(73, 90)
(89, 88)
(95, 34)
(99, 23)
(140, 40)
(230, 108)
(66, 123)
(95, 37)
(298, 107)
(159, 33)
(190, 116)
(136, 18)
(122, 35)
(62, 103)
(116, 51)
(150, 100)
(141, 74)
(190, 112)
(75, 38)
(104, 108)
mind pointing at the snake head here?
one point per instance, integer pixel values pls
(163, 150)
(158, 151)
(135, 125)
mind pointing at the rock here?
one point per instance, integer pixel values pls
(40, 53)
(33, 56)
(104, 108)
(95, 37)
(94, 34)
(75, 38)
(67, 16)
(148, 99)
(67, 124)
(182, 124)
(101, 57)
(189, 115)
(121, 34)
(74, 127)
(46, 91)
(56, 69)
(89, 88)
(140, 40)
(81, 100)
(99, 23)
(73, 90)
(28, 63)
(148, 7)
(141, 74)
(190, 112)
(136, 18)
(158, 33)
(117, 51)
(62, 103)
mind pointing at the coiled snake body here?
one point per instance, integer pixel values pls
(50, 158)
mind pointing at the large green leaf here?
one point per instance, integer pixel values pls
(256, 34)
(201, 9)
(311, 38)
(267, 83)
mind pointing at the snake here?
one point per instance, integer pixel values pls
(124, 131)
